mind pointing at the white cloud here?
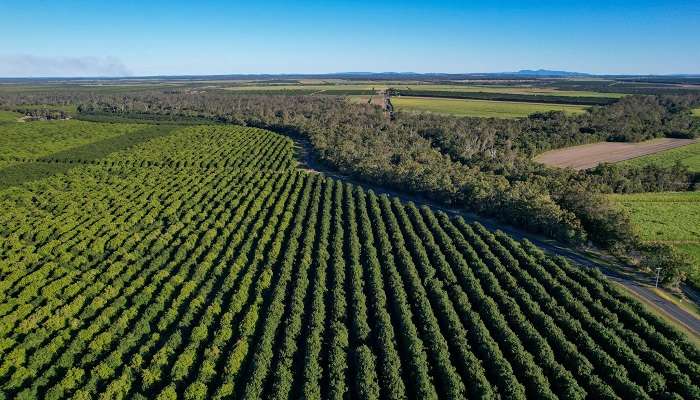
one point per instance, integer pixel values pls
(25, 65)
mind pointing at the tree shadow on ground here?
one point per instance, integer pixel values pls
(61, 162)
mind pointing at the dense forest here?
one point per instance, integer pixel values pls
(482, 165)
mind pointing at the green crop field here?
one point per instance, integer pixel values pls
(478, 108)
(687, 155)
(199, 262)
(667, 217)
(508, 90)
(696, 112)
(693, 250)
(9, 116)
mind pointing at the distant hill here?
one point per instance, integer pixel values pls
(547, 73)
(380, 76)
(540, 73)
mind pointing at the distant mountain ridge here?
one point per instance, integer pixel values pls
(388, 75)
(523, 72)
(547, 73)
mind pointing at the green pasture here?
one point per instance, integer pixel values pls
(687, 155)
(479, 108)
(9, 116)
(525, 90)
(669, 217)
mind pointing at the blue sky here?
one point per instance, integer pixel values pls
(68, 38)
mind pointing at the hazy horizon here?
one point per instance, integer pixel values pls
(311, 75)
(84, 39)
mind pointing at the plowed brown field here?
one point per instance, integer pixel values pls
(589, 155)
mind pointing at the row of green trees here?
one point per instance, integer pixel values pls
(190, 242)
(205, 284)
(95, 306)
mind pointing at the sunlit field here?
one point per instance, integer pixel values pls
(479, 108)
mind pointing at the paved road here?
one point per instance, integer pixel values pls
(639, 288)
(666, 306)
(548, 245)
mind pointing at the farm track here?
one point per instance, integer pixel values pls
(638, 285)
(589, 155)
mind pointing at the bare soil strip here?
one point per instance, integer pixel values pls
(589, 155)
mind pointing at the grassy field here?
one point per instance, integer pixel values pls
(479, 108)
(693, 250)
(377, 99)
(687, 155)
(509, 90)
(696, 112)
(9, 116)
(668, 217)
